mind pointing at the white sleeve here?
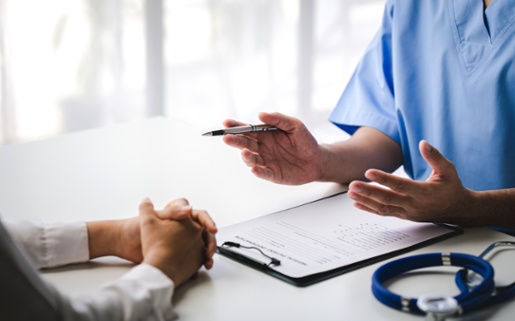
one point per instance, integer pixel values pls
(51, 244)
(143, 293)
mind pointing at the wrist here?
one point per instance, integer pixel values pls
(472, 209)
(332, 165)
(322, 163)
(159, 263)
(494, 208)
(101, 238)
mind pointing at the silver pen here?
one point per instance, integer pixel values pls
(240, 130)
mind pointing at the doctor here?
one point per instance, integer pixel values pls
(434, 92)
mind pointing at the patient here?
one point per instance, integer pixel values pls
(169, 246)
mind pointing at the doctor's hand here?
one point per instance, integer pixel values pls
(441, 198)
(288, 156)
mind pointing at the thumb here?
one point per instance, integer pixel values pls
(146, 209)
(434, 158)
(286, 123)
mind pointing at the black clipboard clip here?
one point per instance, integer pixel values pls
(273, 260)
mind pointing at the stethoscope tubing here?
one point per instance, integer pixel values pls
(468, 300)
(501, 293)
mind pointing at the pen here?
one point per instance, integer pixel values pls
(240, 130)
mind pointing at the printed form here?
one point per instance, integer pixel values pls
(324, 235)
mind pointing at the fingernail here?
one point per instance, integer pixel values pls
(146, 200)
(185, 209)
(371, 176)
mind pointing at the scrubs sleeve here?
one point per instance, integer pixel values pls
(368, 99)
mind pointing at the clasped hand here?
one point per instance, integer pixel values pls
(177, 240)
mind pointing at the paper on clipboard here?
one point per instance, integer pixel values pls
(325, 235)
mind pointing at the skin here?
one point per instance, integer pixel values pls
(292, 156)
(151, 237)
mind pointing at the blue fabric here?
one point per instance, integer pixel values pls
(441, 70)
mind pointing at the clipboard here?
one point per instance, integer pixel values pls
(259, 246)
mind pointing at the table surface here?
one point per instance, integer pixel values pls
(105, 173)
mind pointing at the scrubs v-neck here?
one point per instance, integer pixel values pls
(444, 71)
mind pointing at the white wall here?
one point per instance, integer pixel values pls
(68, 65)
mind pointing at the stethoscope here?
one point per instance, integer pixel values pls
(475, 292)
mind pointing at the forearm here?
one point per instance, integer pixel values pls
(101, 238)
(494, 208)
(115, 237)
(368, 148)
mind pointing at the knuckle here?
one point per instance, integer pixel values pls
(384, 210)
(400, 186)
(386, 199)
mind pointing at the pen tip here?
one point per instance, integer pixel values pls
(208, 134)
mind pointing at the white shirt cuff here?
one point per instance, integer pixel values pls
(51, 244)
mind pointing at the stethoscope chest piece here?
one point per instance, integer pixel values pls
(437, 307)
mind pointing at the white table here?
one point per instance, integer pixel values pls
(105, 173)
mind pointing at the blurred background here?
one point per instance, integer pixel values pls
(69, 65)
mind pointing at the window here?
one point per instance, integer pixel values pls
(68, 65)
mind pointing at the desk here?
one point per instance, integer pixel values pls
(105, 173)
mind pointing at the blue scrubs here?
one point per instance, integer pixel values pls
(444, 71)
